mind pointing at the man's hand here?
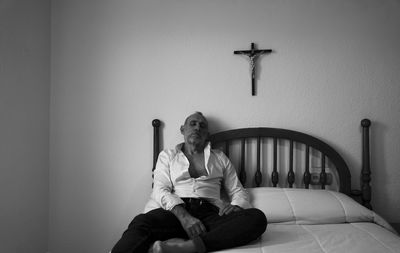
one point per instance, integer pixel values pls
(190, 224)
(227, 209)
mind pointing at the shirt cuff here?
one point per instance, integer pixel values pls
(242, 203)
(169, 203)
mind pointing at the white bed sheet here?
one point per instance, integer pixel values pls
(316, 221)
(363, 237)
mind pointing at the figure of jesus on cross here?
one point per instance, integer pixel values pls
(253, 55)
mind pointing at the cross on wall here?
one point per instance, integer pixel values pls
(253, 55)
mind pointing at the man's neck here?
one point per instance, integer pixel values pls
(193, 149)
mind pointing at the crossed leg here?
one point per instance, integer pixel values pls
(159, 226)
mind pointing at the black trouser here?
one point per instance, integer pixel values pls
(227, 231)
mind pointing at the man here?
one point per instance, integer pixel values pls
(193, 217)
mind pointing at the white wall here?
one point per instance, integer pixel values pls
(24, 127)
(116, 65)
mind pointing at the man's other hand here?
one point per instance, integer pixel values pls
(227, 209)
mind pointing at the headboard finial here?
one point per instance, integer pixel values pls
(365, 123)
(156, 123)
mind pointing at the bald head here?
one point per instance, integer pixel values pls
(195, 129)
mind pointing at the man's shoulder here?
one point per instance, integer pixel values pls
(217, 151)
(219, 154)
(171, 152)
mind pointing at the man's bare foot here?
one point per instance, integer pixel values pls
(157, 248)
(175, 245)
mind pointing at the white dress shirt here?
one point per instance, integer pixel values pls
(172, 180)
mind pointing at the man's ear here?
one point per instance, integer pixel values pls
(182, 128)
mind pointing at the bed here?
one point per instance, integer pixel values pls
(303, 185)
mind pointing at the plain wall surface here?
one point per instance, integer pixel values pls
(116, 65)
(24, 125)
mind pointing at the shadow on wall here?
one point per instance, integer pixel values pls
(215, 124)
(378, 165)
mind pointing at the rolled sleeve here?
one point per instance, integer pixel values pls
(163, 187)
(234, 189)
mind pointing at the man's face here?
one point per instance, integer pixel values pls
(195, 130)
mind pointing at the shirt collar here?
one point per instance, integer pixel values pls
(207, 152)
(207, 148)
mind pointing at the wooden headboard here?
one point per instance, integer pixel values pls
(242, 139)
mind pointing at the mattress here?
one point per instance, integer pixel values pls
(362, 237)
(320, 221)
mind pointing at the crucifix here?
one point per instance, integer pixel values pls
(253, 55)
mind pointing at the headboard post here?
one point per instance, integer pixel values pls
(156, 141)
(365, 170)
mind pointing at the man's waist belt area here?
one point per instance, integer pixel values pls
(194, 201)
